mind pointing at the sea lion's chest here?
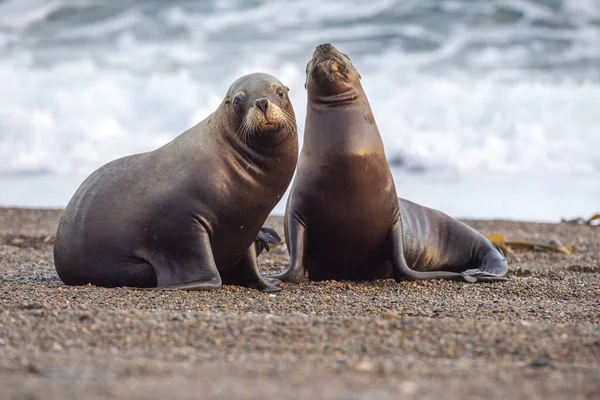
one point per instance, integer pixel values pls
(345, 183)
(234, 205)
(348, 204)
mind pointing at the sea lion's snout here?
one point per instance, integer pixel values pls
(328, 64)
(262, 105)
(268, 121)
(264, 113)
(325, 58)
(330, 72)
(326, 47)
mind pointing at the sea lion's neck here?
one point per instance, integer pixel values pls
(345, 126)
(253, 153)
(214, 138)
(336, 99)
(252, 160)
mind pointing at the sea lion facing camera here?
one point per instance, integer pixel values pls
(343, 219)
(186, 215)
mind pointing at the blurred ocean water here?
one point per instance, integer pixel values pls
(487, 108)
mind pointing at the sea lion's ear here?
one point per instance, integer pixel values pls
(286, 88)
(227, 101)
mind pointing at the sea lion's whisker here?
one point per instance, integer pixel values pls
(241, 130)
(246, 133)
(289, 121)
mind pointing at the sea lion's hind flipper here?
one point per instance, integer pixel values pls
(402, 271)
(493, 268)
(477, 275)
(265, 237)
(498, 248)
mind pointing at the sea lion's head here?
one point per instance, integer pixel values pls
(330, 73)
(259, 110)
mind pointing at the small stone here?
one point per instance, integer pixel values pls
(57, 347)
(17, 241)
(541, 363)
(390, 315)
(365, 366)
(299, 314)
(409, 387)
(32, 368)
(84, 317)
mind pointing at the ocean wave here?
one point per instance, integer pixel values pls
(504, 86)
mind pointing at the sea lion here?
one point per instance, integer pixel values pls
(343, 219)
(186, 215)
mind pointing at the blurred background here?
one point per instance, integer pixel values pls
(488, 109)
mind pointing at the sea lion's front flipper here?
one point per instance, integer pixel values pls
(266, 236)
(402, 271)
(246, 273)
(188, 265)
(296, 272)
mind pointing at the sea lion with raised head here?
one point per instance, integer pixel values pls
(187, 215)
(343, 220)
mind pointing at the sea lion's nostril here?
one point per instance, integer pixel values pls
(262, 104)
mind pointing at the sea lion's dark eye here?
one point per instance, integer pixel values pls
(237, 100)
(281, 92)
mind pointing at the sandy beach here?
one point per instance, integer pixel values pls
(535, 336)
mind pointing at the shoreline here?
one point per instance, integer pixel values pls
(535, 336)
(493, 196)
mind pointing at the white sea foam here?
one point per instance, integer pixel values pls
(75, 116)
